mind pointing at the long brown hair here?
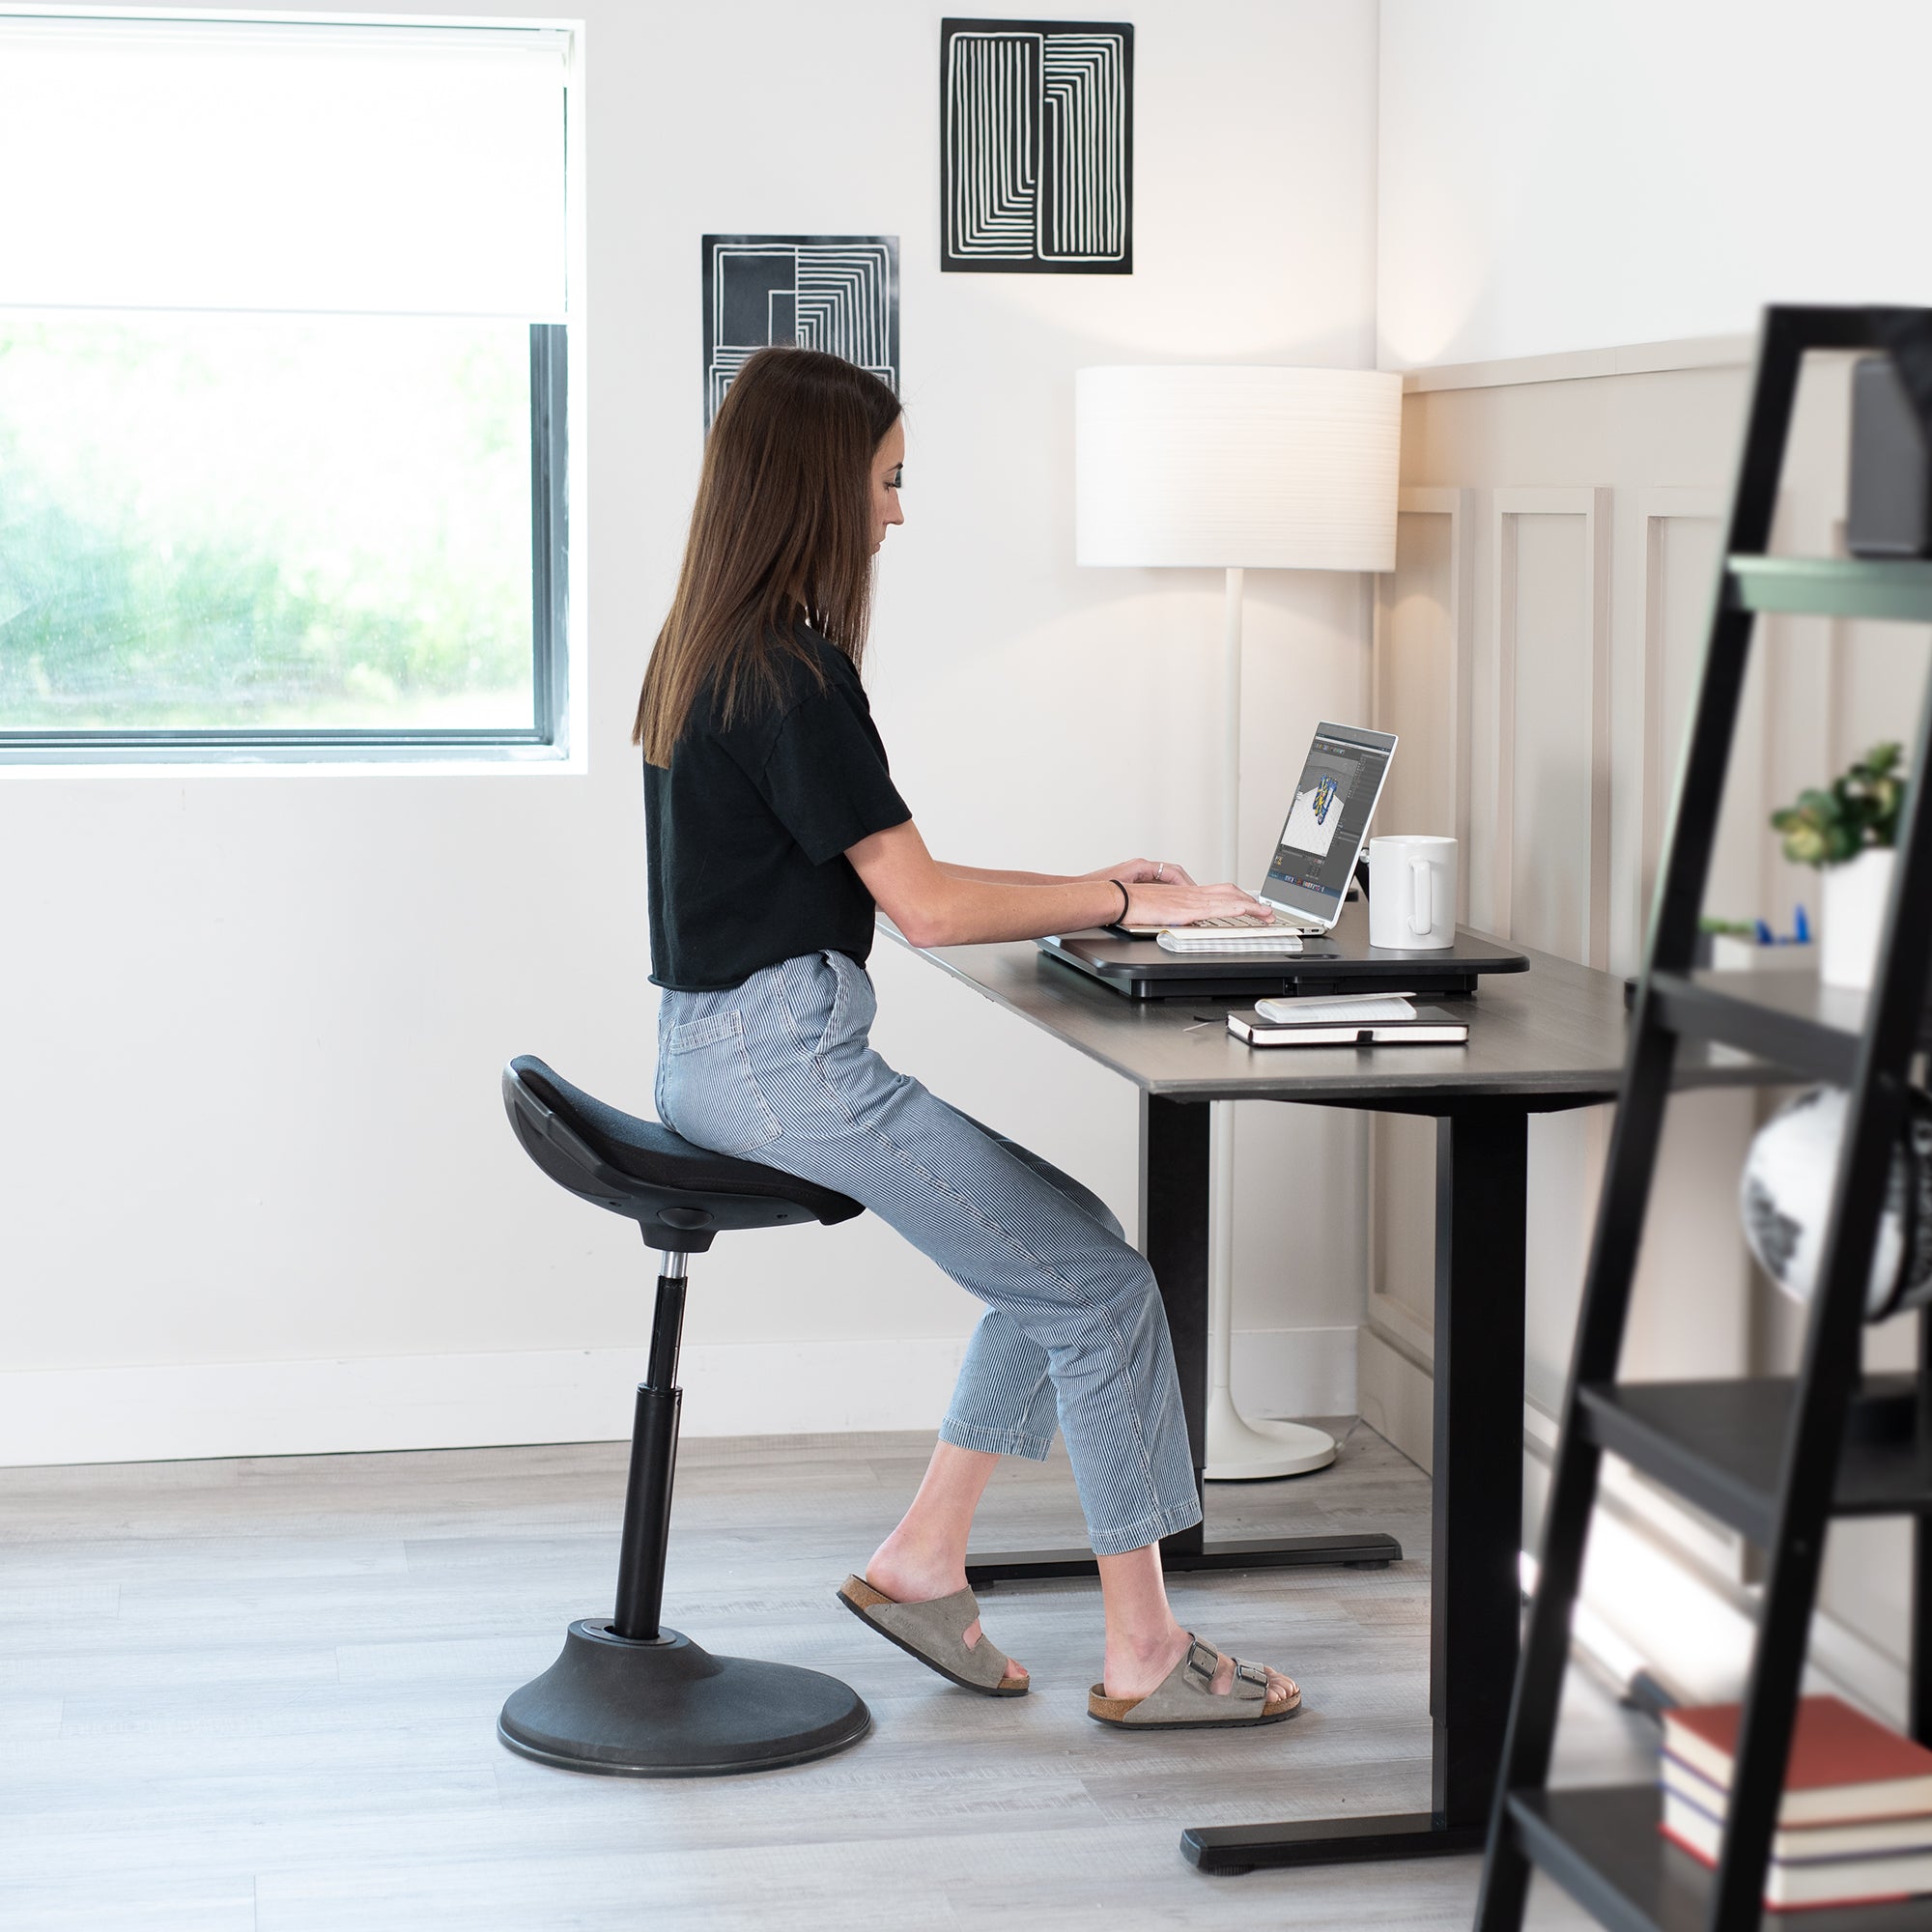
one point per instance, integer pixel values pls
(781, 532)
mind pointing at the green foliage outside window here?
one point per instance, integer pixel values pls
(259, 522)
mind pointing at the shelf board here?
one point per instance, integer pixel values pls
(1819, 587)
(1719, 1445)
(1787, 1019)
(1602, 1847)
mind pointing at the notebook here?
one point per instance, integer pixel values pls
(1368, 1020)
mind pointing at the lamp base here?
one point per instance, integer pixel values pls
(1239, 1451)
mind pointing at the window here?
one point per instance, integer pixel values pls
(283, 381)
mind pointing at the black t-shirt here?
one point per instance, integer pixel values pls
(746, 833)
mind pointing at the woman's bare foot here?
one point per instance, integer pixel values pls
(1131, 1671)
(908, 1577)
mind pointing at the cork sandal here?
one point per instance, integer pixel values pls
(1185, 1698)
(935, 1633)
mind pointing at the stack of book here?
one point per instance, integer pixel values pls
(1855, 1825)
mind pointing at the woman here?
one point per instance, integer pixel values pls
(775, 832)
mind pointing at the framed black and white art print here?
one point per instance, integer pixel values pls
(1037, 147)
(839, 293)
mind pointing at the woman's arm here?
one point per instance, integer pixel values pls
(935, 905)
(1162, 871)
(994, 877)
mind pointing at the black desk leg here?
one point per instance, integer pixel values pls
(1481, 1200)
(1174, 1237)
(1174, 1193)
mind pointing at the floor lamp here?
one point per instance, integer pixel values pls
(1238, 467)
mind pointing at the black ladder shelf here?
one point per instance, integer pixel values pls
(1774, 1459)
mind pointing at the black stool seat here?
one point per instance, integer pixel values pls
(681, 1195)
(627, 1696)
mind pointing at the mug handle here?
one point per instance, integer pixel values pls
(1421, 895)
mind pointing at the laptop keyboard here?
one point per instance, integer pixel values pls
(1249, 921)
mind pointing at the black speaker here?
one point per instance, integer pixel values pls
(1890, 508)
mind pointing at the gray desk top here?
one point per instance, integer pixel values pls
(1554, 1036)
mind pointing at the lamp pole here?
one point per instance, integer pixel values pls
(1237, 1450)
(1190, 467)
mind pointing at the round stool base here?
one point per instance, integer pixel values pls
(670, 1709)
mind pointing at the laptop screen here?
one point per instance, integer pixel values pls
(1334, 799)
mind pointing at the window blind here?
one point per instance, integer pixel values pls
(283, 166)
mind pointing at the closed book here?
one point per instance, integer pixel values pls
(1430, 1026)
(1228, 939)
(1844, 1767)
(1699, 1829)
(1791, 1884)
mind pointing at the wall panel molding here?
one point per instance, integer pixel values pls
(1594, 507)
(1572, 365)
(1433, 726)
(1459, 507)
(1660, 747)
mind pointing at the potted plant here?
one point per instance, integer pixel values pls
(1848, 833)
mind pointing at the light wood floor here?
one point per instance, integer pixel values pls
(259, 1696)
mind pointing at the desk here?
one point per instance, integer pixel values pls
(1539, 1041)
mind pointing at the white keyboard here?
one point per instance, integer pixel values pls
(1254, 940)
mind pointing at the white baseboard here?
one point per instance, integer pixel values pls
(1281, 1374)
(1859, 1668)
(1397, 1397)
(460, 1401)
(560, 1395)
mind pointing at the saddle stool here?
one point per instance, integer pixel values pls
(626, 1697)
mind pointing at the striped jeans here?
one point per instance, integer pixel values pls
(779, 1070)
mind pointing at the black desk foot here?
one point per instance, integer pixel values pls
(1228, 1849)
(1367, 1552)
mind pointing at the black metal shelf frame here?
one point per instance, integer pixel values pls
(1602, 1846)
(1797, 1042)
(1776, 1460)
(1717, 1445)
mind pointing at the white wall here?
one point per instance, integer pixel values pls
(1558, 177)
(258, 1193)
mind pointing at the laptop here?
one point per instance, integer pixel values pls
(1307, 883)
(1307, 946)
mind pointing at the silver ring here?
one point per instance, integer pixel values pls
(1159, 872)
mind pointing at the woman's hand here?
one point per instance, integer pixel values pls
(1132, 872)
(1166, 904)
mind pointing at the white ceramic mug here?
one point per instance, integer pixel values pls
(1412, 893)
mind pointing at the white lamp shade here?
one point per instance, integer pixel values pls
(1237, 466)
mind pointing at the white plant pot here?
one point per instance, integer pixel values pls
(1854, 914)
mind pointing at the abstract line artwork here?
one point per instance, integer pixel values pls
(839, 293)
(1036, 162)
